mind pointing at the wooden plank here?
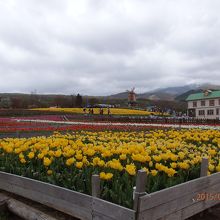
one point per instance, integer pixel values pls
(49, 189)
(204, 167)
(173, 216)
(178, 191)
(141, 182)
(197, 208)
(177, 204)
(96, 186)
(51, 201)
(111, 211)
(26, 212)
(191, 210)
(100, 216)
(67, 201)
(3, 200)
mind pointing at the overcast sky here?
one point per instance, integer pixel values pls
(99, 47)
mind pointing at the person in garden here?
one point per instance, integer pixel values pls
(101, 111)
(109, 112)
(84, 110)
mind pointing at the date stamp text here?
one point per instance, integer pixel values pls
(207, 196)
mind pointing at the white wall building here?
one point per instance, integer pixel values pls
(204, 105)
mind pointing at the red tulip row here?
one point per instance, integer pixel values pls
(32, 126)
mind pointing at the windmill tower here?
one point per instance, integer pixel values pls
(131, 97)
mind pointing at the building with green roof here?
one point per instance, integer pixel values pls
(204, 104)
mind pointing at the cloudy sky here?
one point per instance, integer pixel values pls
(100, 47)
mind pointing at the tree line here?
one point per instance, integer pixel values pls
(24, 101)
(41, 101)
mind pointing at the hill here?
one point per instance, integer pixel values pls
(183, 96)
(171, 94)
(177, 93)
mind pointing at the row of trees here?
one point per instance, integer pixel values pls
(36, 101)
(70, 101)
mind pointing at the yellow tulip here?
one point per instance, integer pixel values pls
(49, 172)
(154, 172)
(131, 169)
(79, 165)
(47, 161)
(31, 155)
(70, 161)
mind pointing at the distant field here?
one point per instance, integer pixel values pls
(113, 111)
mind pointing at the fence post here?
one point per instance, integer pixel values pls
(96, 186)
(204, 167)
(204, 172)
(141, 182)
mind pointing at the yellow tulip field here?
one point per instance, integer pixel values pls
(113, 111)
(169, 157)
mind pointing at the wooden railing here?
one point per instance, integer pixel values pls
(181, 201)
(177, 202)
(67, 201)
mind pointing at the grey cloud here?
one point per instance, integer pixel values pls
(101, 47)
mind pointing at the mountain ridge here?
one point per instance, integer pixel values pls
(178, 93)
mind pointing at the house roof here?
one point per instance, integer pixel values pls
(201, 95)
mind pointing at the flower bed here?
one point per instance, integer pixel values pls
(24, 125)
(169, 157)
(50, 123)
(113, 111)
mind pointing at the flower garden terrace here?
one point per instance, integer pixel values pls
(96, 111)
(169, 157)
(116, 115)
(33, 126)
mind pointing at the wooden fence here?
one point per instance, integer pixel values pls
(177, 202)
(70, 202)
(181, 201)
